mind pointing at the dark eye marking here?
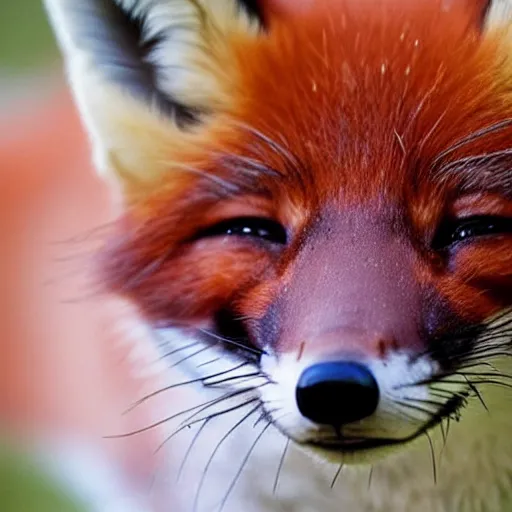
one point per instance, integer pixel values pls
(470, 228)
(248, 227)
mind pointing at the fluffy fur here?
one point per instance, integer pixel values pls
(365, 131)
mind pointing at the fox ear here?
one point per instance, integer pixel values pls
(497, 12)
(148, 72)
(484, 14)
(479, 10)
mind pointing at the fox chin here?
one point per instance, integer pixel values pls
(315, 226)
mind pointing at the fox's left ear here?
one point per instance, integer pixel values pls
(149, 73)
(478, 10)
(484, 14)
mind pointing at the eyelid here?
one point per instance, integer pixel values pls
(247, 206)
(481, 204)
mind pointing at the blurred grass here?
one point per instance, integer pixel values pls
(25, 487)
(26, 41)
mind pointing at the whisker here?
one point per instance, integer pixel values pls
(256, 351)
(443, 393)
(493, 382)
(244, 462)
(477, 393)
(246, 377)
(280, 465)
(84, 236)
(216, 449)
(472, 137)
(190, 447)
(202, 365)
(415, 408)
(404, 414)
(249, 165)
(499, 374)
(188, 422)
(443, 433)
(180, 349)
(277, 148)
(430, 132)
(433, 455)
(180, 384)
(176, 415)
(370, 477)
(150, 269)
(477, 365)
(216, 180)
(190, 356)
(152, 425)
(337, 474)
(257, 422)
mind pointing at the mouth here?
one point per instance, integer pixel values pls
(347, 445)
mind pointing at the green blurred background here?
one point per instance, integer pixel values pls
(25, 38)
(28, 51)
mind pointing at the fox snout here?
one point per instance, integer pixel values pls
(358, 318)
(348, 299)
(351, 290)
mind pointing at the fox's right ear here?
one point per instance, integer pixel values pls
(147, 74)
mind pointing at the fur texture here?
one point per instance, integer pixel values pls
(368, 144)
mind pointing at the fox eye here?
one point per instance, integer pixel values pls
(468, 228)
(254, 227)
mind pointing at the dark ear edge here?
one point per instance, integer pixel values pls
(114, 37)
(482, 10)
(254, 9)
(121, 38)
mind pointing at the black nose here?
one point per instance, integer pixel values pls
(336, 393)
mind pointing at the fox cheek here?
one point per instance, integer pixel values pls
(187, 285)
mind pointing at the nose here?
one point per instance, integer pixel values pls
(337, 392)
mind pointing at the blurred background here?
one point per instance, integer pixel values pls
(67, 370)
(27, 48)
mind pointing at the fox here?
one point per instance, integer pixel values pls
(315, 228)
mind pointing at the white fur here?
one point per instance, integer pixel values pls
(89, 477)
(474, 468)
(500, 12)
(392, 375)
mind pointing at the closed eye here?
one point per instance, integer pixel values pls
(261, 228)
(470, 228)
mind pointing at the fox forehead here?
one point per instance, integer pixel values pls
(365, 99)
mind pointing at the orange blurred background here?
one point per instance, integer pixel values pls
(66, 368)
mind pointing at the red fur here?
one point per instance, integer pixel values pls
(361, 97)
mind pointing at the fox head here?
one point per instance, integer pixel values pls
(320, 197)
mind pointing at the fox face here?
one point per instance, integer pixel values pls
(319, 198)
